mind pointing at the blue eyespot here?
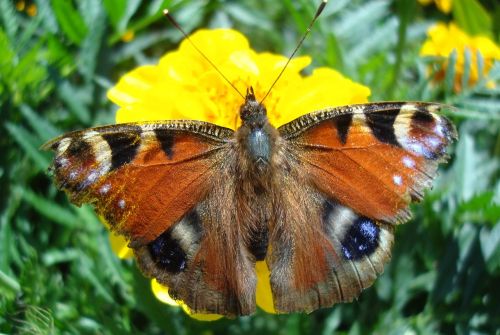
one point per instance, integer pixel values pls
(361, 239)
(167, 253)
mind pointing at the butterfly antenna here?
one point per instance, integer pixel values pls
(166, 13)
(318, 13)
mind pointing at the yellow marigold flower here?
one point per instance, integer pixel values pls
(444, 39)
(443, 5)
(183, 85)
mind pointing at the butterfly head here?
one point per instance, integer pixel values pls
(256, 135)
(252, 113)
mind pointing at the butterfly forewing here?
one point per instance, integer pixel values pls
(375, 158)
(130, 171)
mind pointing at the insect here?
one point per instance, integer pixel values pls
(317, 198)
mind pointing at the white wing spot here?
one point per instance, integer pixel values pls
(63, 162)
(397, 179)
(90, 134)
(433, 141)
(439, 129)
(408, 108)
(408, 162)
(414, 146)
(92, 177)
(121, 203)
(433, 108)
(63, 145)
(105, 189)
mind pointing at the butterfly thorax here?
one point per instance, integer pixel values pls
(256, 137)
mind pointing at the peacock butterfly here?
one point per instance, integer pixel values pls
(317, 198)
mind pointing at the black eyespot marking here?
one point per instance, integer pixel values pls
(167, 253)
(342, 123)
(79, 147)
(166, 141)
(422, 116)
(382, 125)
(361, 239)
(124, 146)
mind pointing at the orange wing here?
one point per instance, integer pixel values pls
(374, 158)
(143, 177)
(350, 173)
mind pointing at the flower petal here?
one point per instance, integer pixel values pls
(264, 295)
(161, 293)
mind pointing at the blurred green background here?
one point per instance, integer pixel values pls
(58, 58)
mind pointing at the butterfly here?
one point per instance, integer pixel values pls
(317, 199)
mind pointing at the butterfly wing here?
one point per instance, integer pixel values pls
(159, 185)
(322, 252)
(375, 158)
(352, 173)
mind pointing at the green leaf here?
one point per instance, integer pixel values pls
(9, 286)
(29, 143)
(479, 209)
(55, 256)
(48, 208)
(153, 14)
(332, 322)
(241, 13)
(120, 12)
(75, 101)
(490, 247)
(88, 271)
(473, 169)
(88, 57)
(10, 19)
(115, 10)
(44, 129)
(467, 68)
(70, 21)
(472, 17)
(449, 79)
(38, 321)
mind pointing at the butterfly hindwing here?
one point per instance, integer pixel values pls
(321, 252)
(201, 258)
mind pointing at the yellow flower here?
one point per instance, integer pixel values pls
(183, 85)
(442, 5)
(444, 39)
(20, 5)
(128, 36)
(30, 8)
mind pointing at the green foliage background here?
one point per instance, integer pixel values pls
(57, 271)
